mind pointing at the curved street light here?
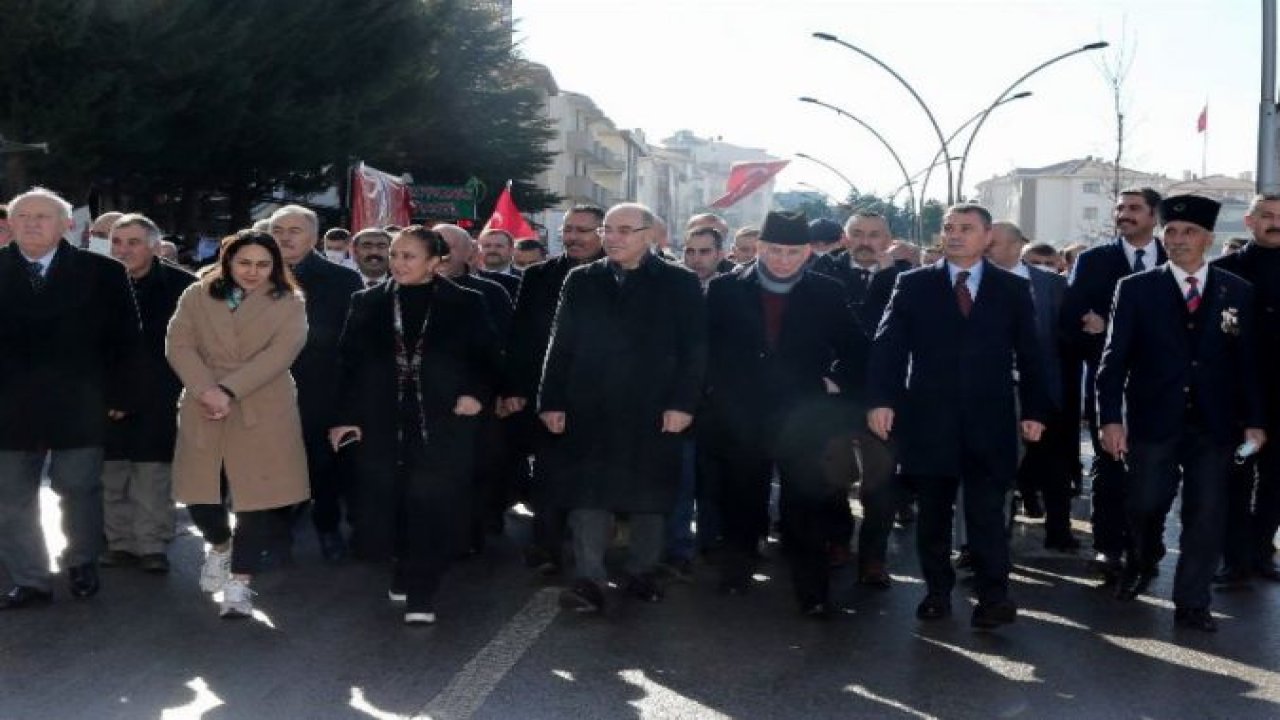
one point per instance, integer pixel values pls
(928, 172)
(982, 119)
(905, 175)
(828, 196)
(839, 174)
(932, 120)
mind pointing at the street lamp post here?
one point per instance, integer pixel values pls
(929, 113)
(1000, 98)
(905, 175)
(928, 172)
(853, 188)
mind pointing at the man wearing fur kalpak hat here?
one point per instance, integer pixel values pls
(1177, 393)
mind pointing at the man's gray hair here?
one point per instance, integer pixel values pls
(63, 206)
(646, 215)
(307, 213)
(1012, 228)
(142, 221)
(1253, 205)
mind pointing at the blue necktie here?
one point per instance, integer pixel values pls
(1138, 264)
(35, 273)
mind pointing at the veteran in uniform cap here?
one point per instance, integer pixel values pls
(784, 345)
(1177, 393)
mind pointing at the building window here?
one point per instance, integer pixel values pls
(1093, 188)
(1091, 213)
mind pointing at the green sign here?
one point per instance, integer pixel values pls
(455, 202)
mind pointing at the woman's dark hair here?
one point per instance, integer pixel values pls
(281, 280)
(431, 240)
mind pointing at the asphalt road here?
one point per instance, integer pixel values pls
(327, 644)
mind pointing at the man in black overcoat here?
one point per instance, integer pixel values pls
(623, 376)
(69, 342)
(1085, 310)
(328, 288)
(783, 343)
(535, 309)
(1177, 392)
(137, 485)
(941, 385)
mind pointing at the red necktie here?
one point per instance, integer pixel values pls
(963, 298)
(1193, 295)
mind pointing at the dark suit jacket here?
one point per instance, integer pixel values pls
(1261, 267)
(496, 300)
(620, 356)
(327, 288)
(950, 379)
(148, 433)
(1156, 360)
(753, 388)
(535, 309)
(1092, 287)
(877, 296)
(67, 354)
(1047, 291)
(509, 282)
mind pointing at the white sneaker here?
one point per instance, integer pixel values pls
(237, 599)
(397, 596)
(419, 618)
(216, 570)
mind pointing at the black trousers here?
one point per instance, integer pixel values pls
(881, 495)
(1253, 508)
(984, 514)
(1199, 463)
(256, 532)
(433, 518)
(1045, 470)
(328, 475)
(550, 517)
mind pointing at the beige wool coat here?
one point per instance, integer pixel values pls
(260, 441)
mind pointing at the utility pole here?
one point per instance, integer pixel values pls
(1268, 158)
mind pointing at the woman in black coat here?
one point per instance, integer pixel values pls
(417, 354)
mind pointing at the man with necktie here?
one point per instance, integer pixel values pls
(940, 385)
(1177, 392)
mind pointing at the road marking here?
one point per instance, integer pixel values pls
(861, 691)
(468, 690)
(660, 701)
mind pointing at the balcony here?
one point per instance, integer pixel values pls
(580, 187)
(578, 142)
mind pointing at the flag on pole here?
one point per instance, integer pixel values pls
(506, 216)
(378, 199)
(745, 178)
(1202, 123)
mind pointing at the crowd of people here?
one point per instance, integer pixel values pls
(406, 386)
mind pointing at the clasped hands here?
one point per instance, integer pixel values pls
(880, 422)
(673, 421)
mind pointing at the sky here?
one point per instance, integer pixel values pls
(734, 69)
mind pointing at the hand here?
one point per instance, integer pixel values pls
(1257, 436)
(116, 414)
(675, 421)
(215, 403)
(514, 404)
(554, 421)
(1032, 430)
(500, 408)
(832, 388)
(467, 406)
(1114, 440)
(1093, 323)
(880, 421)
(336, 433)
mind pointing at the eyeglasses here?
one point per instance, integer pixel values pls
(579, 229)
(624, 231)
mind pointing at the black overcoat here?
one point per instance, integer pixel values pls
(460, 358)
(148, 433)
(620, 355)
(327, 288)
(67, 354)
(535, 310)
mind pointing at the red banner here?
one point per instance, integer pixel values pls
(378, 199)
(506, 216)
(1202, 123)
(745, 178)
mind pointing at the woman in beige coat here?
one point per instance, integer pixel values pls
(231, 341)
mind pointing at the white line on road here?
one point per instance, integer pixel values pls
(468, 690)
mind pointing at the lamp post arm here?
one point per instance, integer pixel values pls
(928, 172)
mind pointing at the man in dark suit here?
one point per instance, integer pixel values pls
(1253, 511)
(328, 288)
(941, 384)
(623, 375)
(783, 344)
(136, 481)
(535, 310)
(496, 250)
(1085, 309)
(1177, 391)
(1043, 468)
(69, 341)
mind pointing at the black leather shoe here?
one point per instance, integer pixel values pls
(584, 596)
(154, 563)
(332, 547)
(1195, 619)
(1111, 568)
(644, 587)
(1031, 506)
(934, 607)
(874, 575)
(988, 615)
(21, 596)
(1133, 585)
(117, 558)
(83, 580)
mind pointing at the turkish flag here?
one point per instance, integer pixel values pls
(1202, 123)
(506, 216)
(745, 178)
(378, 199)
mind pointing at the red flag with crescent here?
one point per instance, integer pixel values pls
(506, 216)
(378, 199)
(745, 178)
